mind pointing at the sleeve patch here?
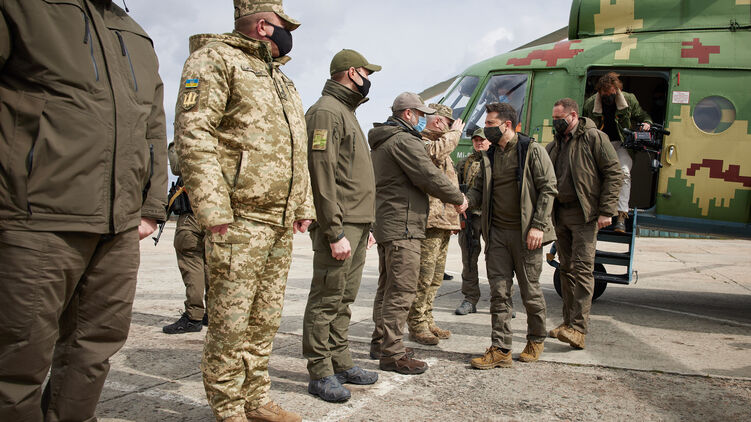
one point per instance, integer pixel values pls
(190, 99)
(320, 138)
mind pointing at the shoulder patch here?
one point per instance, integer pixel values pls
(189, 99)
(191, 83)
(320, 139)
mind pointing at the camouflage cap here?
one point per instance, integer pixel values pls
(346, 58)
(479, 132)
(407, 100)
(249, 7)
(443, 110)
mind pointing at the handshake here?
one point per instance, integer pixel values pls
(463, 207)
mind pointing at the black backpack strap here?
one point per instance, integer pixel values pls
(522, 147)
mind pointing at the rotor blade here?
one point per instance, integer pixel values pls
(554, 36)
(437, 88)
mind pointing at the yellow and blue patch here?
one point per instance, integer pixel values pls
(191, 83)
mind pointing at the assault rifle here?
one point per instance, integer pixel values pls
(176, 205)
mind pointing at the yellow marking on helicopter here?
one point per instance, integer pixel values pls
(619, 17)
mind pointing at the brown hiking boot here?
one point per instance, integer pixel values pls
(424, 337)
(272, 412)
(493, 358)
(532, 351)
(554, 332)
(406, 365)
(572, 337)
(376, 354)
(235, 418)
(439, 332)
(620, 222)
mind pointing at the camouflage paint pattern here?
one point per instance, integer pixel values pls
(439, 147)
(433, 253)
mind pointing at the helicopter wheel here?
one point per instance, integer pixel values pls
(600, 286)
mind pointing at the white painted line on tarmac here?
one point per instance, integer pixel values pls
(155, 393)
(380, 389)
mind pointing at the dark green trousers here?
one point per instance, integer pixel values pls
(65, 305)
(189, 248)
(333, 289)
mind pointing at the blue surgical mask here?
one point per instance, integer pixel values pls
(503, 99)
(421, 123)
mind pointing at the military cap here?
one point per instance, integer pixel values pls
(346, 58)
(407, 100)
(479, 132)
(249, 7)
(443, 110)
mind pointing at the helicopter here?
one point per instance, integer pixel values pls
(688, 62)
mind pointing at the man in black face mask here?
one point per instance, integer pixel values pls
(343, 185)
(613, 110)
(515, 188)
(589, 180)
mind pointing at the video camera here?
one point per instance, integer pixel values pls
(648, 141)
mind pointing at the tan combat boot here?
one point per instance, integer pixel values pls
(493, 358)
(439, 332)
(424, 337)
(272, 412)
(572, 337)
(235, 418)
(532, 351)
(554, 332)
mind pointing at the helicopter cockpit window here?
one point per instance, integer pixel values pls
(500, 88)
(714, 114)
(460, 95)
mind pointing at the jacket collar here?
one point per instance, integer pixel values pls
(343, 94)
(620, 102)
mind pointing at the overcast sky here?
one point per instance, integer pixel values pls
(419, 43)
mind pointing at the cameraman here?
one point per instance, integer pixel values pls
(613, 110)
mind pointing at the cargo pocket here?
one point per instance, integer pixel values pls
(532, 263)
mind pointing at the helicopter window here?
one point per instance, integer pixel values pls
(500, 88)
(714, 114)
(460, 95)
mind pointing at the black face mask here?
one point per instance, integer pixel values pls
(609, 99)
(282, 38)
(560, 126)
(364, 88)
(493, 134)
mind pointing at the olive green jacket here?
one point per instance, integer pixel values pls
(240, 134)
(341, 172)
(439, 147)
(595, 169)
(538, 190)
(82, 131)
(628, 112)
(405, 176)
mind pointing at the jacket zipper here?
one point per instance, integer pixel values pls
(29, 166)
(89, 39)
(125, 52)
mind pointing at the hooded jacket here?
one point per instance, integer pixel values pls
(628, 112)
(405, 176)
(240, 134)
(595, 169)
(82, 133)
(439, 147)
(537, 192)
(341, 172)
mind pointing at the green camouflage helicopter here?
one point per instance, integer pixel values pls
(689, 64)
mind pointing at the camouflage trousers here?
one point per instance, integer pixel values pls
(248, 269)
(432, 263)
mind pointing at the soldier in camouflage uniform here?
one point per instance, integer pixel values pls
(441, 137)
(189, 248)
(469, 238)
(241, 138)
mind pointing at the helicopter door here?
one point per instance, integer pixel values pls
(706, 175)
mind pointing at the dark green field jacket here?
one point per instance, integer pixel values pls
(341, 173)
(405, 176)
(628, 112)
(82, 132)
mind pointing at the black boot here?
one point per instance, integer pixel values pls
(183, 325)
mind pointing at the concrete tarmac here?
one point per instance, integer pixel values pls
(674, 346)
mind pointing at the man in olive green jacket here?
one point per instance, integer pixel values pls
(515, 189)
(405, 176)
(613, 110)
(83, 177)
(589, 179)
(341, 175)
(241, 139)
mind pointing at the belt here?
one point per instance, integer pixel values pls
(567, 205)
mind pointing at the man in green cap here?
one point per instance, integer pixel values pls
(469, 238)
(441, 137)
(343, 185)
(241, 139)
